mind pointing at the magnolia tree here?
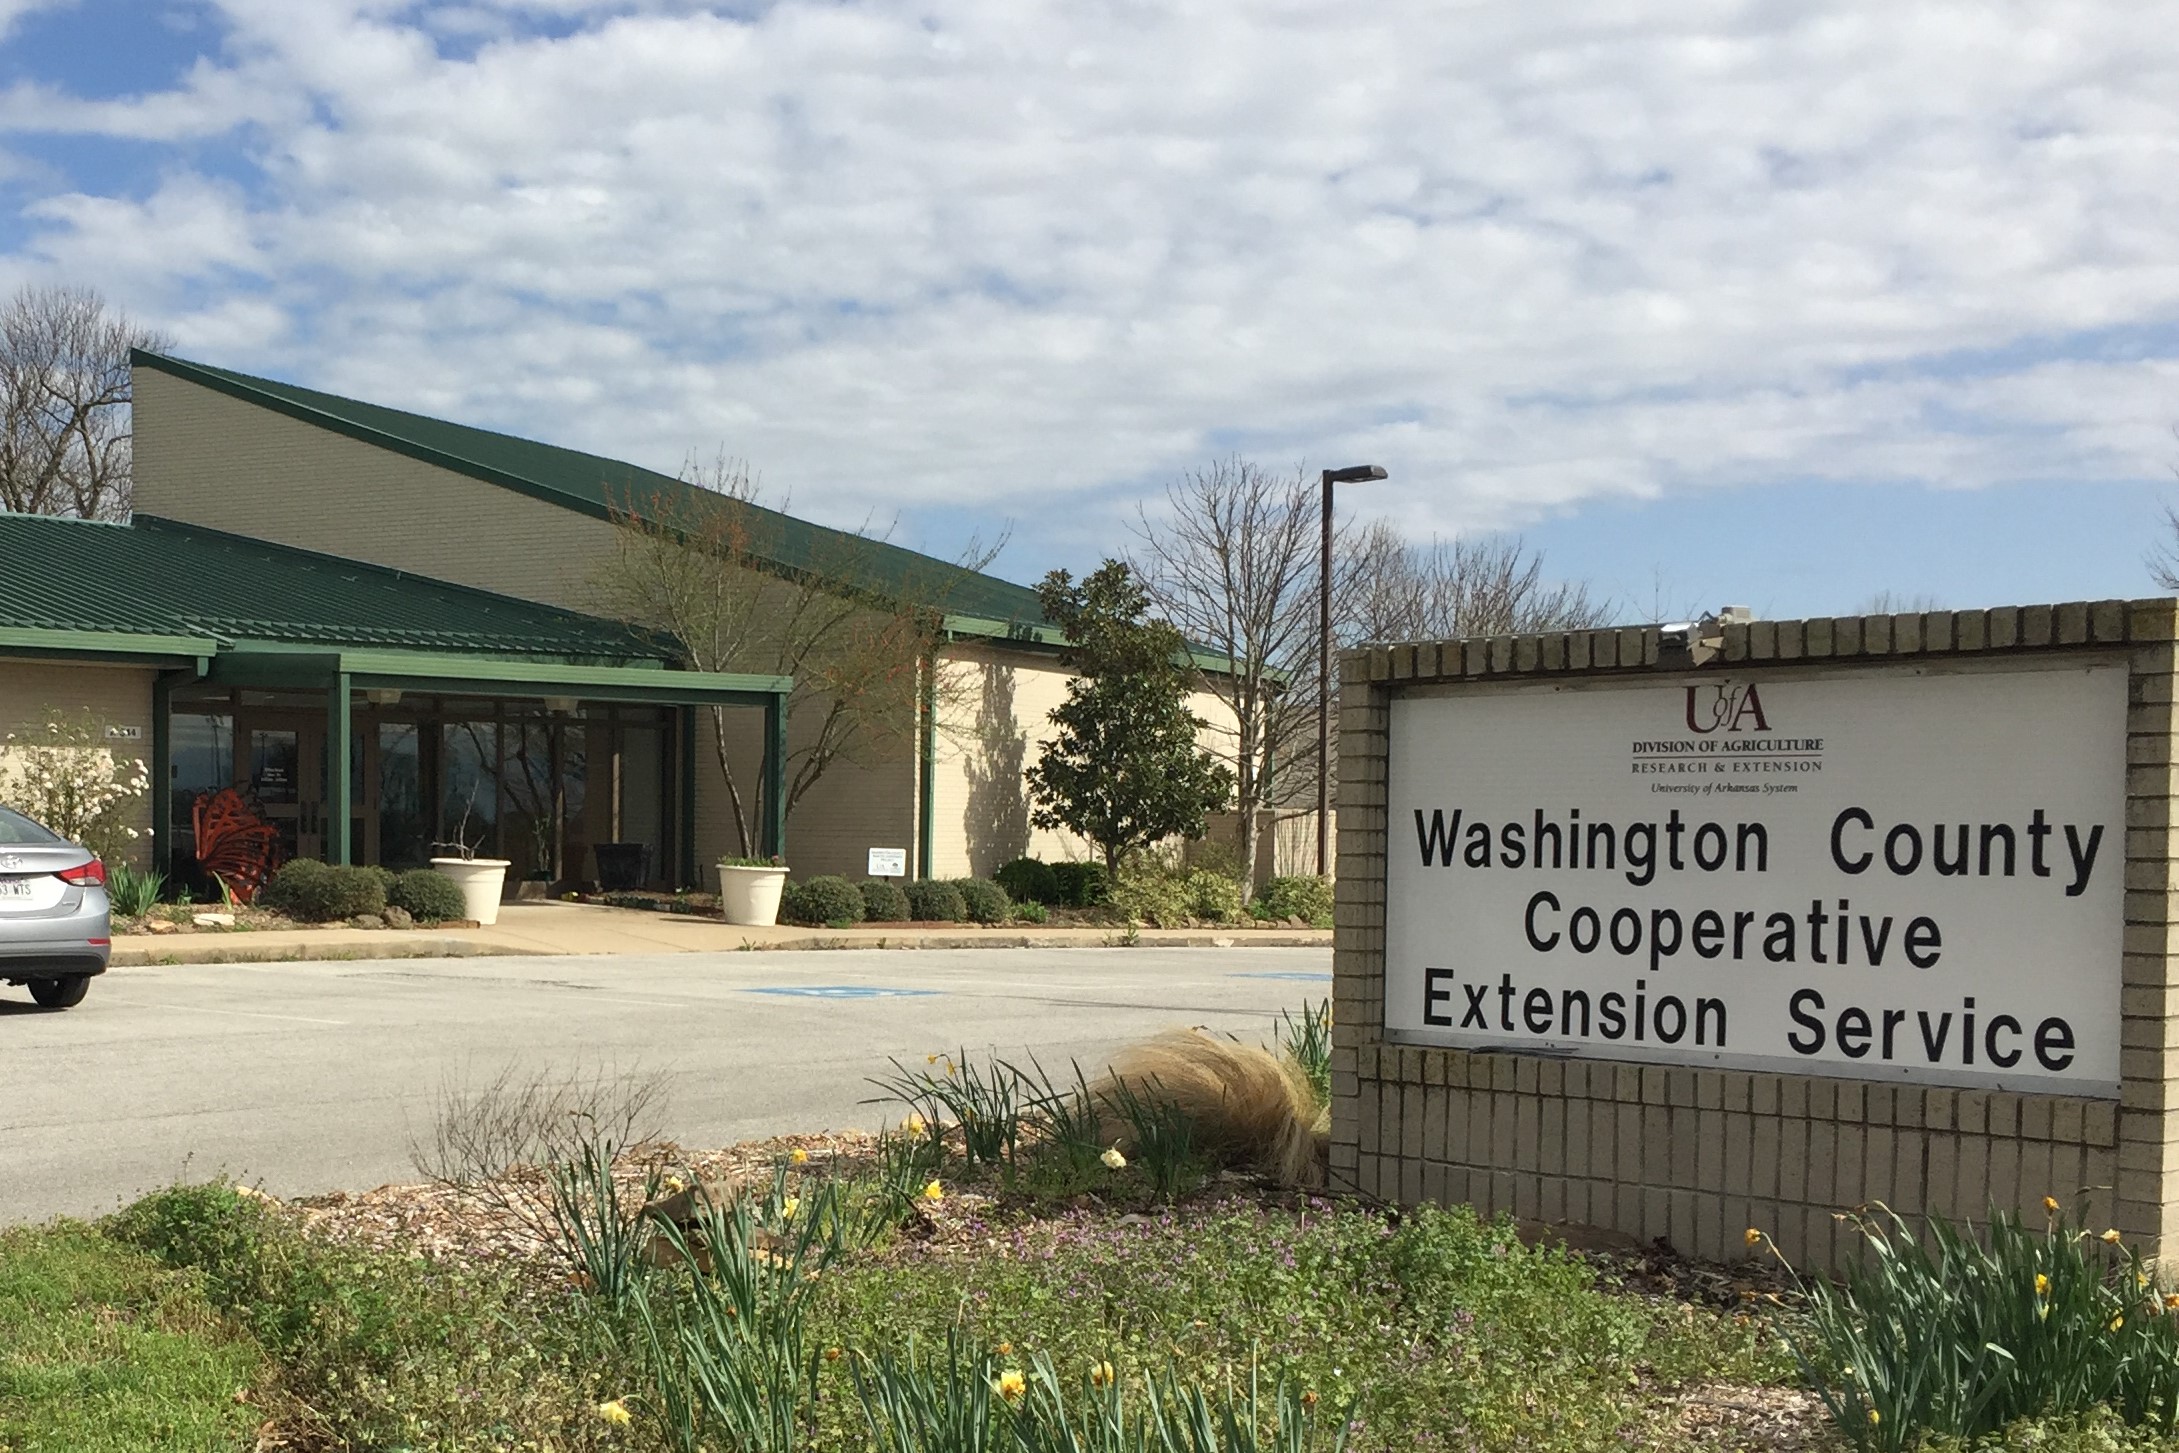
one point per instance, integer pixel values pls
(66, 777)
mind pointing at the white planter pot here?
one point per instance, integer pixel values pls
(750, 896)
(482, 881)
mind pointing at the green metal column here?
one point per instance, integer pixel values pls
(339, 715)
(775, 776)
(685, 817)
(162, 774)
(926, 827)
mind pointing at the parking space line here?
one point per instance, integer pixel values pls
(249, 1014)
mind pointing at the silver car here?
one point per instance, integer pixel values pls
(56, 928)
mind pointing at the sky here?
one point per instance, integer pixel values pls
(1715, 301)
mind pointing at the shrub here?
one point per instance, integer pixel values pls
(1029, 880)
(133, 891)
(1149, 892)
(1082, 885)
(386, 878)
(427, 896)
(931, 901)
(883, 902)
(825, 899)
(1304, 896)
(984, 900)
(313, 892)
(1031, 913)
(1212, 896)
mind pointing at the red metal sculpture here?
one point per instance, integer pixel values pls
(234, 844)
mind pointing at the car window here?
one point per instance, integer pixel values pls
(16, 828)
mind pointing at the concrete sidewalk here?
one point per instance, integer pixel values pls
(584, 928)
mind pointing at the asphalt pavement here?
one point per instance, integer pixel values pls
(307, 1077)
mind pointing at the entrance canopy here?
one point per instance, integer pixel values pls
(212, 612)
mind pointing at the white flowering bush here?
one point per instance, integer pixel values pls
(69, 779)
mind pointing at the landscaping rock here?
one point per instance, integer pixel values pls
(214, 920)
(398, 917)
(161, 925)
(366, 920)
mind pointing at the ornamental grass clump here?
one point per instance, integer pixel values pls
(1949, 1333)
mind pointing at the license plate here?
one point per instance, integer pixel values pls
(15, 888)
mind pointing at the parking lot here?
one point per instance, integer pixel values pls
(310, 1077)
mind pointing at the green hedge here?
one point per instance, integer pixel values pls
(883, 902)
(313, 892)
(1303, 897)
(932, 901)
(1029, 880)
(1082, 885)
(826, 899)
(428, 896)
(984, 900)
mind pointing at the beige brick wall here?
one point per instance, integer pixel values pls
(1695, 1156)
(121, 695)
(996, 710)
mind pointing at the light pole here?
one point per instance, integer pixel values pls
(1353, 474)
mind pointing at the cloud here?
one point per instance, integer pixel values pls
(998, 254)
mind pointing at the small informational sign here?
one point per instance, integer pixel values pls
(124, 734)
(888, 862)
(1903, 874)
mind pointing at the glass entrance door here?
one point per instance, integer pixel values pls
(280, 766)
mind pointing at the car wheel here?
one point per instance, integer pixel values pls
(60, 993)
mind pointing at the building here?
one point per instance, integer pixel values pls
(311, 580)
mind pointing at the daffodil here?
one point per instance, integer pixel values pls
(1875, 1417)
(1753, 1237)
(1113, 1159)
(798, 1156)
(1101, 1374)
(913, 1124)
(933, 1191)
(2112, 1236)
(1309, 1398)
(1011, 1385)
(930, 1059)
(2118, 1321)
(1004, 1349)
(2050, 1204)
(2042, 1285)
(2171, 1301)
(675, 1183)
(788, 1207)
(832, 1354)
(616, 1412)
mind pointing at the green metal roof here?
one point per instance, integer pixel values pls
(977, 603)
(156, 579)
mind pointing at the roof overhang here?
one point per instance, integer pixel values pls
(118, 647)
(495, 676)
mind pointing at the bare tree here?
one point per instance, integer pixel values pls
(717, 573)
(1400, 591)
(64, 403)
(1234, 567)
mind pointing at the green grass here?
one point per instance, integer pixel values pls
(105, 1350)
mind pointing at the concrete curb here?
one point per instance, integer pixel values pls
(339, 947)
(170, 953)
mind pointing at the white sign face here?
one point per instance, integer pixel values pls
(1912, 874)
(888, 862)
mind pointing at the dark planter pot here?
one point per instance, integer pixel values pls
(622, 865)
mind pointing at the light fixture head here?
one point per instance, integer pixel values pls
(1354, 474)
(383, 695)
(562, 704)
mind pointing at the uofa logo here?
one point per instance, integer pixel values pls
(1720, 707)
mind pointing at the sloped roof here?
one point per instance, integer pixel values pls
(594, 485)
(160, 578)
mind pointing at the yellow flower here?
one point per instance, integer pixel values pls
(2042, 1285)
(2118, 1321)
(930, 1059)
(1011, 1385)
(616, 1412)
(1753, 1237)
(675, 1183)
(951, 1069)
(1113, 1159)
(798, 1156)
(1875, 1417)
(788, 1207)
(913, 1124)
(934, 1192)
(832, 1354)
(2050, 1204)
(1101, 1374)
(1308, 1399)
(1005, 1349)
(2112, 1236)
(2171, 1301)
